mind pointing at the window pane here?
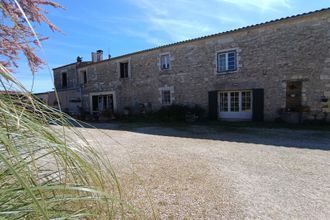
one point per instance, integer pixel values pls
(231, 56)
(234, 101)
(166, 97)
(105, 102)
(123, 70)
(85, 77)
(221, 62)
(224, 102)
(165, 61)
(126, 70)
(232, 61)
(246, 101)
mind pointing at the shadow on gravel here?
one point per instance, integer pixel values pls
(309, 139)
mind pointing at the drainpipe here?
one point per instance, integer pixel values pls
(78, 83)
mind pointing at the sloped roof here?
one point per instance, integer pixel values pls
(80, 64)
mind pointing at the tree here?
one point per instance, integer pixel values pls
(45, 171)
(17, 33)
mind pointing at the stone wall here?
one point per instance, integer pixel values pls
(48, 98)
(72, 78)
(268, 56)
(70, 97)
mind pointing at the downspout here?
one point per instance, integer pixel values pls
(78, 84)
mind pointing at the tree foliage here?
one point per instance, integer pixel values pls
(17, 35)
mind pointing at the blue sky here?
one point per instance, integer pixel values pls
(120, 27)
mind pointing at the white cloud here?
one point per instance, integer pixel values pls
(168, 21)
(157, 9)
(145, 35)
(263, 5)
(180, 29)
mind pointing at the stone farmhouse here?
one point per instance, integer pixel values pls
(261, 72)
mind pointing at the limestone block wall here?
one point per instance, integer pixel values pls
(268, 56)
(72, 78)
(69, 100)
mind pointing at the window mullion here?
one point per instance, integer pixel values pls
(229, 102)
(226, 63)
(240, 101)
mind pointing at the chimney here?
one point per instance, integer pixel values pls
(99, 55)
(94, 57)
(79, 59)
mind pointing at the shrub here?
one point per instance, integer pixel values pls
(107, 114)
(180, 113)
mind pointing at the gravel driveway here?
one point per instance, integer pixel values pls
(200, 172)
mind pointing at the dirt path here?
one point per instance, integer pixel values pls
(231, 174)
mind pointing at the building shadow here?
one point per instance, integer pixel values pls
(279, 137)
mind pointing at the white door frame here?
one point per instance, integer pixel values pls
(113, 93)
(240, 115)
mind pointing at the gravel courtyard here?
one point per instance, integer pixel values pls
(206, 173)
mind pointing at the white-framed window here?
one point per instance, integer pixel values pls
(165, 62)
(246, 101)
(166, 97)
(223, 102)
(124, 68)
(227, 61)
(235, 101)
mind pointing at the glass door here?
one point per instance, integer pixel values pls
(235, 105)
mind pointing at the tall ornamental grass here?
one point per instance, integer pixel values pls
(47, 169)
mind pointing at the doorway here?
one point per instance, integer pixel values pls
(293, 96)
(102, 102)
(235, 105)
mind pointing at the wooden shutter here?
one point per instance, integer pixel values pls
(213, 105)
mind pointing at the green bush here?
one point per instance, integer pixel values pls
(180, 113)
(107, 114)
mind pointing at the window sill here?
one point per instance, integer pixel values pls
(165, 70)
(227, 72)
(67, 88)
